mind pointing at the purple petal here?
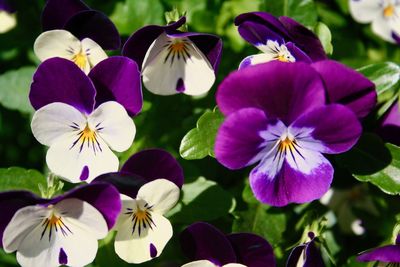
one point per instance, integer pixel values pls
(60, 80)
(118, 79)
(313, 256)
(10, 203)
(390, 253)
(256, 33)
(7, 6)
(335, 125)
(295, 255)
(291, 185)
(140, 41)
(390, 126)
(305, 39)
(282, 90)
(153, 164)
(298, 54)
(238, 140)
(202, 241)
(96, 26)
(126, 183)
(347, 87)
(252, 250)
(104, 197)
(57, 12)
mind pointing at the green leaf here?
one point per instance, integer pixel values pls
(385, 76)
(14, 89)
(16, 178)
(260, 219)
(303, 11)
(202, 200)
(134, 14)
(324, 35)
(199, 142)
(373, 161)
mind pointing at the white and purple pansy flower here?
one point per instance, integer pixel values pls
(61, 231)
(281, 39)
(149, 183)
(306, 255)
(81, 118)
(8, 19)
(383, 14)
(386, 256)
(209, 247)
(278, 115)
(174, 62)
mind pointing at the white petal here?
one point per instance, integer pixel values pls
(382, 27)
(74, 165)
(256, 59)
(23, 222)
(234, 265)
(200, 263)
(115, 126)
(54, 120)
(161, 194)
(56, 43)
(135, 249)
(162, 73)
(7, 21)
(94, 52)
(365, 11)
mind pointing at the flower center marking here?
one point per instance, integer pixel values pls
(287, 144)
(141, 219)
(80, 60)
(388, 11)
(56, 223)
(87, 135)
(177, 48)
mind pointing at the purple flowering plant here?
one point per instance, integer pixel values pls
(199, 133)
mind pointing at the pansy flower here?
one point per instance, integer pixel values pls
(278, 115)
(81, 118)
(209, 247)
(388, 255)
(306, 254)
(389, 128)
(59, 231)
(149, 183)
(7, 16)
(383, 14)
(281, 39)
(75, 32)
(174, 62)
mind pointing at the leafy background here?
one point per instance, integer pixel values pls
(211, 192)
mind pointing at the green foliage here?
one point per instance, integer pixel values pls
(14, 89)
(199, 142)
(16, 178)
(303, 11)
(324, 34)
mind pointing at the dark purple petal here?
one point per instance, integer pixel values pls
(10, 203)
(7, 6)
(313, 256)
(347, 87)
(305, 39)
(60, 80)
(57, 12)
(96, 26)
(256, 33)
(153, 164)
(252, 250)
(291, 185)
(390, 253)
(396, 37)
(140, 41)
(295, 255)
(238, 140)
(335, 125)
(202, 241)
(390, 126)
(209, 44)
(103, 196)
(126, 183)
(118, 79)
(298, 54)
(282, 90)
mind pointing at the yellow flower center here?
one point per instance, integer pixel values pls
(282, 58)
(88, 135)
(389, 11)
(177, 47)
(80, 60)
(285, 144)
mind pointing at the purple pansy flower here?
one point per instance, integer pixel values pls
(306, 255)
(278, 115)
(281, 39)
(59, 231)
(209, 247)
(389, 254)
(174, 62)
(81, 117)
(7, 16)
(390, 126)
(149, 183)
